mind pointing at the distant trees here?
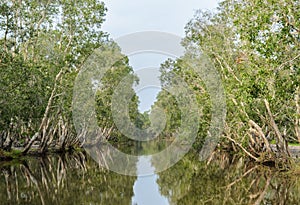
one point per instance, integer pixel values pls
(118, 71)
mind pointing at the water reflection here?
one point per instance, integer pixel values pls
(146, 190)
(226, 180)
(77, 179)
(66, 179)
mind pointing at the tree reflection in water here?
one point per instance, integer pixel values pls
(77, 179)
(226, 180)
(65, 179)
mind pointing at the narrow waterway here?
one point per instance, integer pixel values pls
(77, 179)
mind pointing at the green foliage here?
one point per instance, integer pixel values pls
(170, 71)
(24, 92)
(38, 40)
(109, 85)
(254, 45)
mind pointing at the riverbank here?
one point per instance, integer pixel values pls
(16, 152)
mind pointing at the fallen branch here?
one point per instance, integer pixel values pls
(242, 148)
(258, 131)
(282, 146)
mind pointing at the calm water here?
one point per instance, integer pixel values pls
(77, 179)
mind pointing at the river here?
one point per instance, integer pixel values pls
(77, 179)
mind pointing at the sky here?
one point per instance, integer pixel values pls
(129, 16)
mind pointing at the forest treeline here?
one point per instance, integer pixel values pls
(44, 45)
(254, 46)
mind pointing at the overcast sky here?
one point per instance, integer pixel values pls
(171, 16)
(127, 16)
